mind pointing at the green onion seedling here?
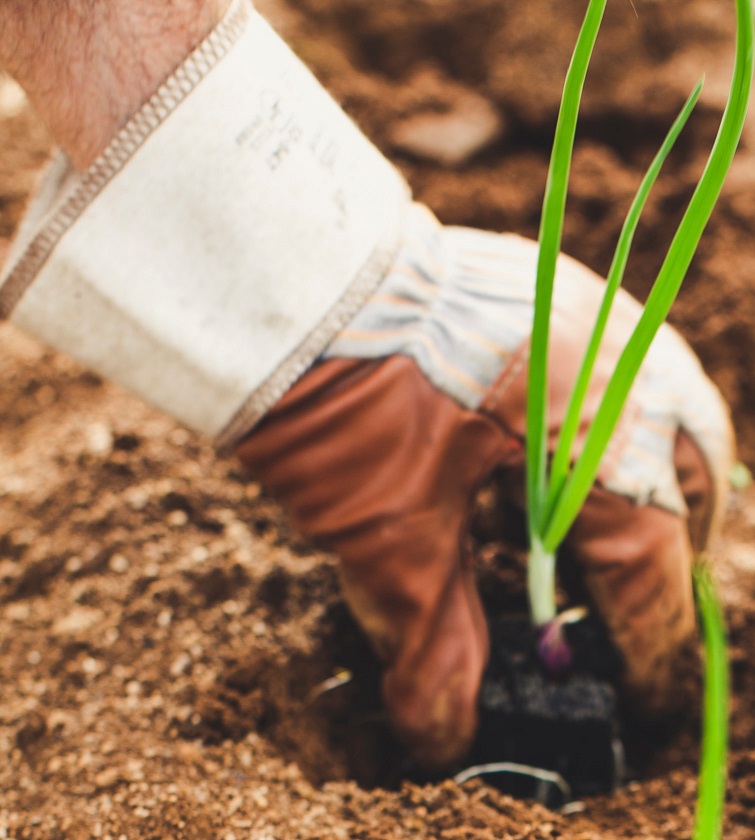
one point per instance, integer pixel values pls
(555, 495)
(555, 499)
(711, 790)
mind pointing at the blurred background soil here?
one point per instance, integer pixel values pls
(163, 630)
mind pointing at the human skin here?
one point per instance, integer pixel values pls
(88, 65)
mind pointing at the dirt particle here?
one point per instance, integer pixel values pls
(78, 620)
(126, 442)
(32, 729)
(119, 564)
(273, 590)
(108, 778)
(99, 439)
(180, 665)
(177, 518)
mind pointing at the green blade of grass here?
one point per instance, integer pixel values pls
(551, 227)
(711, 791)
(665, 288)
(568, 433)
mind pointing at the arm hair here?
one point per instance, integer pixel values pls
(88, 65)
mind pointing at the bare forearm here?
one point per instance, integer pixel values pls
(87, 65)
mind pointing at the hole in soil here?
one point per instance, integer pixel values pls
(282, 693)
(295, 696)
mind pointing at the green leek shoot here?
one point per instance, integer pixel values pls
(554, 501)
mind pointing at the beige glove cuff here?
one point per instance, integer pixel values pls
(227, 233)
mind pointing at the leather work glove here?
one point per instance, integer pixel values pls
(377, 461)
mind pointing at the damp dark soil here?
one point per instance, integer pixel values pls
(167, 640)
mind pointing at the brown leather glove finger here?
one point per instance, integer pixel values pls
(635, 556)
(637, 562)
(378, 465)
(637, 566)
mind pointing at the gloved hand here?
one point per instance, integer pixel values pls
(380, 464)
(226, 234)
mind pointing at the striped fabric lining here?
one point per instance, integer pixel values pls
(674, 393)
(452, 310)
(460, 302)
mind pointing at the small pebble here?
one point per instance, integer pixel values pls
(99, 439)
(112, 634)
(74, 564)
(199, 554)
(177, 518)
(259, 628)
(180, 665)
(17, 611)
(77, 621)
(90, 665)
(164, 618)
(179, 437)
(453, 137)
(119, 564)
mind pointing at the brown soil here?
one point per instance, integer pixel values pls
(162, 628)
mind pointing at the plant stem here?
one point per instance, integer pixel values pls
(712, 785)
(541, 583)
(541, 568)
